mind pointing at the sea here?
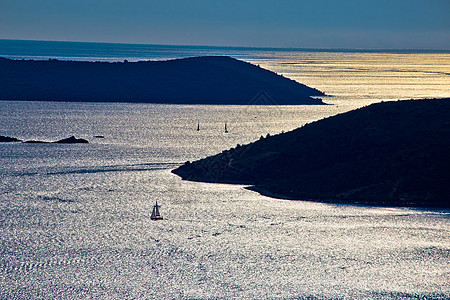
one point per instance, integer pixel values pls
(75, 218)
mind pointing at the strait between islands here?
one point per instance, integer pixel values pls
(385, 154)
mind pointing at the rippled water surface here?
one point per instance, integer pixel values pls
(74, 219)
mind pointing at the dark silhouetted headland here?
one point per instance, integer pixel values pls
(388, 154)
(197, 80)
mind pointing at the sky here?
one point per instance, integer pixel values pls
(369, 24)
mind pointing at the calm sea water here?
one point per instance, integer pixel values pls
(74, 219)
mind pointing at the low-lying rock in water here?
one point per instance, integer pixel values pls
(69, 140)
(7, 139)
(389, 154)
(72, 140)
(36, 142)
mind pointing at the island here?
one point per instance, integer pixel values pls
(8, 139)
(72, 140)
(394, 153)
(196, 80)
(69, 140)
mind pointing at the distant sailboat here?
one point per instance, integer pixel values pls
(155, 213)
(226, 131)
(198, 125)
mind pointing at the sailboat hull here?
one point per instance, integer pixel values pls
(155, 213)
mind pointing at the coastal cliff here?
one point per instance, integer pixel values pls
(196, 80)
(388, 154)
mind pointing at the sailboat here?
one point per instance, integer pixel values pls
(155, 213)
(198, 126)
(226, 131)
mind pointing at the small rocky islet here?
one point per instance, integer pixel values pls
(394, 153)
(69, 140)
(7, 139)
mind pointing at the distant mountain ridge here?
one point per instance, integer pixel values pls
(196, 80)
(389, 154)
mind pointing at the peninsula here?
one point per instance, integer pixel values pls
(196, 80)
(388, 154)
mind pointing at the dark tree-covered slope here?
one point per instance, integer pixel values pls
(390, 154)
(197, 80)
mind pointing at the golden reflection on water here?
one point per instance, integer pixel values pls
(370, 77)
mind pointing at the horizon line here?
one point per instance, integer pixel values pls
(262, 48)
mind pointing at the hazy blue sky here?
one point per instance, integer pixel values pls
(267, 23)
